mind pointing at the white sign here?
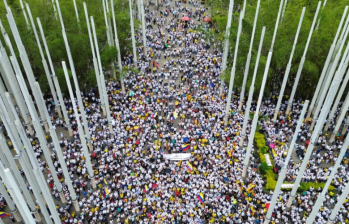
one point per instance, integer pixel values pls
(178, 156)
(267, 159)
(285, 186)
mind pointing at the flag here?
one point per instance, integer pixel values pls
(105, 181)
(179, 164)
(145, 189)
(201, 197)
(267, 204)
(185, 147)
(250, 187)
(3, 214)
(174, 116)
(189, 167)
(154, 115)
(251, 210)
(105, 192)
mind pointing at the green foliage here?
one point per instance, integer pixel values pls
(77, 35)
(317, 52)
(61, 79)
(270, 176)
(108, 55)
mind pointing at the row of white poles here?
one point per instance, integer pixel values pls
(319, 125)
(16, 131)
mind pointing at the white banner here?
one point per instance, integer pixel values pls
(267, 159)
(178, 156)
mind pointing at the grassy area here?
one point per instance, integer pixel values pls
(270, 176)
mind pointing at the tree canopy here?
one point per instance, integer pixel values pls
(319, 46)
(78, 37)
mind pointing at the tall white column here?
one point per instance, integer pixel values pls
(39, 131)
(283, 11)
(323, 76)
(44, 62)
(339, 121)
(16, 195)
(8, 74)
(340, 71)
(58, 150)
(10, 203)
(55, 80)
(104, 90)
(336, 102)
(28, 170)
(300, 68)
(8, 115)
(250, 94)
(95, 66)
(25, 14)
(313, 139)
(139, 13)
(72, 68)
(6, 154)
(282, 174)
(338, 205)
(255, 117)
(247, 66)
(288, 68)
(81, 133)
(143, 27)
(133, 35)
(76, 12)
(109, 38)
(232, 74)
(318, 22)
(118, 49)
(226, 42)
(321, 197)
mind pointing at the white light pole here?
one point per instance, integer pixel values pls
(255, 117)
(25, 15)
(313, 139)
(313, 104)
(81, 132)
(340, 70)
(7, 155)
(44, 62)
(95, 66)
(288, 68)
(232, 73)
(72, 68)
(58, 150)
(336, 102)
(10, 203)
(55, 80)
(104, 90)
(143, 27)
(282, 174)
(318, 23)
(340, 118)
(300, 68)
(321, 197)
(247, 66)
(133, 35)
(16, 195)
(226, 42)
(283, 11)
(250, 94)
(9, 74)
(118, 49)
(339, 204)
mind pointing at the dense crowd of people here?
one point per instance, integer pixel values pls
(176, 107)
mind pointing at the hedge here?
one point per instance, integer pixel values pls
(270, 176)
